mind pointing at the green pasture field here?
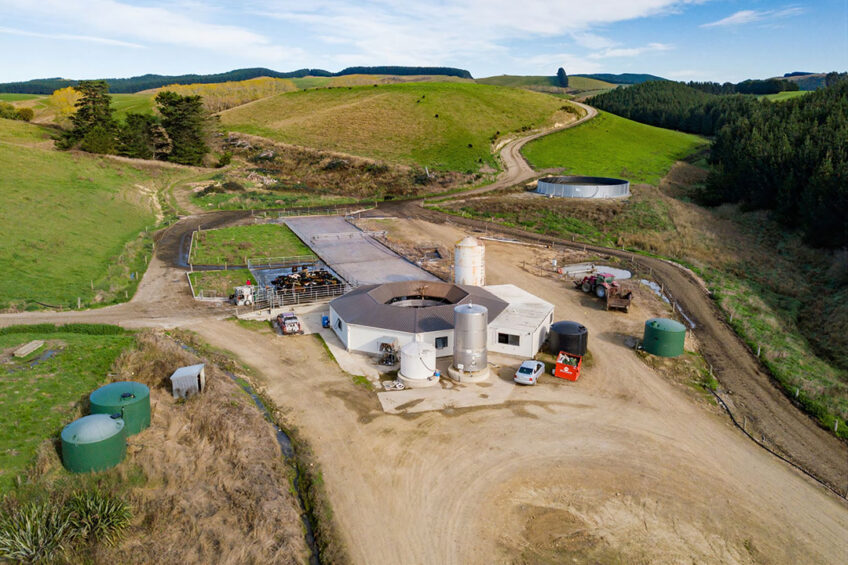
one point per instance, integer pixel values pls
(38, 398)
(17, 132)
(785, 95)
(219, 283)
(614, 147)
(139, 103)
(71, 221)
(17, 97)
(234, 245)
(441, 125)
(518, 81)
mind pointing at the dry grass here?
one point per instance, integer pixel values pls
(445, 126)
(322, 174)
(217, 489)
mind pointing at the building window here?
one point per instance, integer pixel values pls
(441, 342)
(508, 339)
(339, 324)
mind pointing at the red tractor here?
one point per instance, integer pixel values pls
(600, 284)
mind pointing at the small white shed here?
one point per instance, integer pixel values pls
(188, 381)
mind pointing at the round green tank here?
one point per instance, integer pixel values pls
(664, 337)
(130, 400)
(93, 443)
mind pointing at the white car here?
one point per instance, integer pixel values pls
(529, 372)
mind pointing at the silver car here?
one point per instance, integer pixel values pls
(529, 372)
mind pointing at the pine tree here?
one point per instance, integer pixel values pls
(136, 137)
(94, 127)
(185, 121)
(562, 78)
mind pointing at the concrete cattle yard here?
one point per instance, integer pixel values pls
(351, 253)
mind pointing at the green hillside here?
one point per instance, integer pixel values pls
(518, 81)
(785, 95)
(14, 97)
(623, 78)
(612, 146)
(70, 221)
(141, 103)
(445, 126)
(579, 83)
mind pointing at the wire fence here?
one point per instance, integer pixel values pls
(281, 262)
(280, 215)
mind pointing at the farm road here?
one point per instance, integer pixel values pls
(516, 168)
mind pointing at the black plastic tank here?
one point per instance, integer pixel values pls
(570, 337)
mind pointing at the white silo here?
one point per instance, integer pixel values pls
(470, 262)
(417, 365)
(471, 323)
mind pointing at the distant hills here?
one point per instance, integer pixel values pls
(807, 81)
(623, 78)
(146, 82)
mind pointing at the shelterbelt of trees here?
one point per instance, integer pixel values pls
(178, 134)
(789, 156)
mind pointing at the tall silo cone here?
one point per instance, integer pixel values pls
(470, 262)
(471, 324)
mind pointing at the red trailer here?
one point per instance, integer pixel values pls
(568, 366)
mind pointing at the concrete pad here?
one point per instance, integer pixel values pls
(308, 314)
(352, 254)
(353, 363)
(25, 350)
(449, 394)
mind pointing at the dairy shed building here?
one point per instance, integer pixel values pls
(407, 311)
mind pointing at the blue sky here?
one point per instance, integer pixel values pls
(680, 39)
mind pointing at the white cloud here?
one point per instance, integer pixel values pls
(743, 17)
(591, 40)
(150, 24)
(349, 32)
(631, 51)
(410, 32)
(70, 37)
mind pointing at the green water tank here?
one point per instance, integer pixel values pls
(664, 337)
(130, 400)
(93, 443)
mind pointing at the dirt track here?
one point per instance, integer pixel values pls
(516, 169)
